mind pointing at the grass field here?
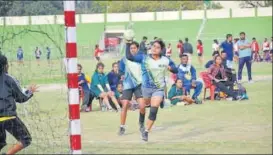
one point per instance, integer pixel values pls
(213, 127)
(89, 34)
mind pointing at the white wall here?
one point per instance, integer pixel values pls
(193, 14)
(92, 18)
(144, 16)
(24, 20)
(168, 15)
(264, 11)
(60, 19)
(246, 12)
(118, 17)
(2, 20)
(222, 13)
(41, 20)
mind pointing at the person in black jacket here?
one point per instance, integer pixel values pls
(10, 93)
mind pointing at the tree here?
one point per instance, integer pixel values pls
(5, 6)
(253, 4)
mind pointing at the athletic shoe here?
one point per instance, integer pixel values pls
(87, 109)
(250, 81)
(83, 108)
(145, 136)
(141, 127)
(238, 98)
(162, 104)
(121, 131)
(197, 101)
(239, 81)
(229, 98)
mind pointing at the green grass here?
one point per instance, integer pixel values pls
(45, 74)
(89, 34)
(213, 127)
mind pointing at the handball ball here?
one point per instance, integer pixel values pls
(129, 34)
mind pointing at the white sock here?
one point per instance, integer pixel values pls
(122, 126)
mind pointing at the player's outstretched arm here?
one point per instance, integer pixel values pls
(21, 95)
(172, 68)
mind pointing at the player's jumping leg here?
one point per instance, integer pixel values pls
(123, 115)
(155, 103)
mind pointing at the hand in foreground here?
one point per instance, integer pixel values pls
(33, 88)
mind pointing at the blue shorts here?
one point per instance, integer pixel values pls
(20, 58)
(150, 92)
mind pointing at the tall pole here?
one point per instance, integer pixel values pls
(72, 77)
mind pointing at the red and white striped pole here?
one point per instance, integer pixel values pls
(72, 77)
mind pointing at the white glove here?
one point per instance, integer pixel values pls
(129, 35)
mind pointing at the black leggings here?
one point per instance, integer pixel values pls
(17, 129)
(223, 86)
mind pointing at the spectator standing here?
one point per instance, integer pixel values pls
(20, 55)
(235, 50)
(188, 50)
(200, 51)
(97, 52)
(266, 47)
(255, 50)
(215, 47)
(48, 54)
(143, 46)
(244, 57)
(38, 54)
(227, 46)
(180, 48)
(169, 51)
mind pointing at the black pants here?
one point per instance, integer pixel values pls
(17, 129)
(223, 86)
(230, 75)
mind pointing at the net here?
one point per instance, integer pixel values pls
(46, 114)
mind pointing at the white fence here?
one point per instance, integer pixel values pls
(146, 16)
(170, 15)
(222, 13)
(194, 14)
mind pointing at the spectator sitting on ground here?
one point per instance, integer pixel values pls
(114, 76)
(187, 73)
(177, 94)
(210, 62)
(83, 82)
(101, 88)
(230, 72)
(218, 76)
(133, 105)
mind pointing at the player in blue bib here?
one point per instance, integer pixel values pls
(131, 86)
(154, 68)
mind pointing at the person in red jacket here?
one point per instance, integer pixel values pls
(180, 48)
(255, 50)
(200, 51)
(97, 52)
(169, 51)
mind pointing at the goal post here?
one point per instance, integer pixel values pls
(72, 77)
